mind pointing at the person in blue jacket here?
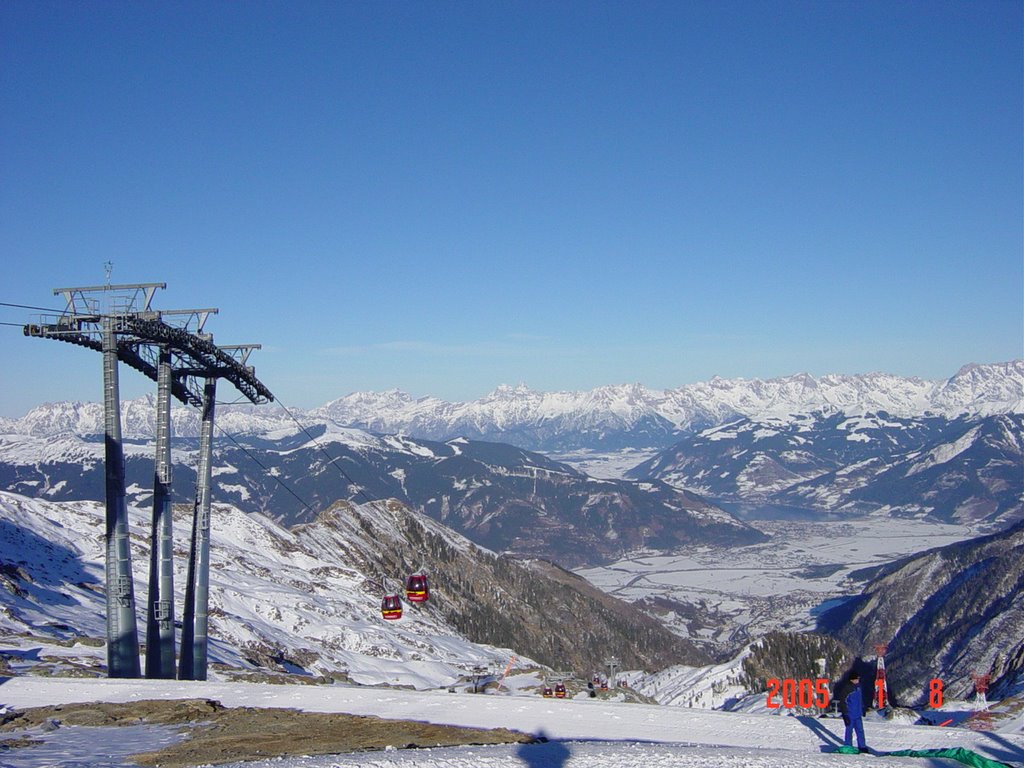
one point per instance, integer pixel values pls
(851, 706)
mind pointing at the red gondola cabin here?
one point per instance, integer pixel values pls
(391, 607)
(560, 691)
(416, 588)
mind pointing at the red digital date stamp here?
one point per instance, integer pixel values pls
(806, 694)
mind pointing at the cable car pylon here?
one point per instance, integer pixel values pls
(128, 330)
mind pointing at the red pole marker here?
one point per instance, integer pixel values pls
(880, 674)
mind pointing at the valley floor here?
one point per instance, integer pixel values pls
(744, 592)
(582, 732)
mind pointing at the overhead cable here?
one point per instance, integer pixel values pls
(27, 306)
(265, 468)
(331, 459)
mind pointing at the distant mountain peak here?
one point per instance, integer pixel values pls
(607, 417)
(509, 390)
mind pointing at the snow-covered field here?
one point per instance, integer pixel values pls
(583, 732)
(607, 465)
(781, 583)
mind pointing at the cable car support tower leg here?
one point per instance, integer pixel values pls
(197, 593)
(122, 632)
(160, 615)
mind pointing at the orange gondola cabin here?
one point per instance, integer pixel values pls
(417, 590)
(391, 607)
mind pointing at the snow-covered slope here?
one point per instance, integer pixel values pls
(583, 733)
(306, 599)
(709, 687)
(290, 600)
(946, 612)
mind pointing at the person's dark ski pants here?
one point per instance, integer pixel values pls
(854, 724)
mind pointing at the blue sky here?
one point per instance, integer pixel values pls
(443, 197)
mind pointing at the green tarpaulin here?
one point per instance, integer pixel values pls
(965, 756)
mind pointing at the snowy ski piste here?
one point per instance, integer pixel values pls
(581, 732)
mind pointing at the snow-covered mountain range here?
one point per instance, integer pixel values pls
(950, 450)
(636, 416)
(969, 469)
(604, 418)
(501, 497)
